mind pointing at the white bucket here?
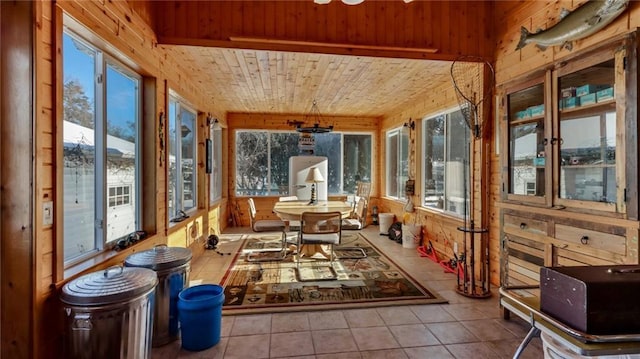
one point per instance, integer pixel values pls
(411, 234)
(386, 220)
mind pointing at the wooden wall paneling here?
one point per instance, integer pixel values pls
(152, 170)
(17, 249)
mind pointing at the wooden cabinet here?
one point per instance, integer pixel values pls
(569, 164)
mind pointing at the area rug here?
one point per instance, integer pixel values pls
(272, 286)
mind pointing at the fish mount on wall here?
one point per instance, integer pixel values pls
(573, 25)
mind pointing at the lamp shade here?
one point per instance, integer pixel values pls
(314, 175)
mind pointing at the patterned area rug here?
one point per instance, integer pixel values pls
(273, 286)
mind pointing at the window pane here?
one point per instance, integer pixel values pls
(122, 116)
(456, 159)
(252, 172)
(527, 169)
(283, 146)
(188, 158)
(328, 145)
(588, 157)
(215, 188)
(79, 147)
(356, 160)
(433, 154)
(392, 163)
(172, 187)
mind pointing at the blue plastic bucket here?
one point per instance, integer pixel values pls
(200, 315)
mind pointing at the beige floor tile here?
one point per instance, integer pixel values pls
(217, 351)
(451, 333)
(291, 344)
(248, 346)
(397, 315)
(227, 324)
(384, 354)
(374, 338)
(251, 324)
(413, 335)
(327, 320)
(358, 318)
(333, 341)
(487, 329)
(432, 352)
(432, 313)
(472, 350)
(289, 322)
(464, 311)
(348, 355)
(167, 351)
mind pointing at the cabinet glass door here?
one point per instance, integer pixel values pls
(587, 139)
(527, 157)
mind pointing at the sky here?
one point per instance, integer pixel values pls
(121, 90)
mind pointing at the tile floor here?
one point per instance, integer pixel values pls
(463, 328)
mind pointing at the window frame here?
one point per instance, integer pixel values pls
(102, 61)
(403, 133)
(215, 179)
(269, 132)
(181, 105)
(447, 113)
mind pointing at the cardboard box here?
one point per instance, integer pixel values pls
(588, 99)
(593, 299)
(587, 89)
(569, 102)
(604, 94)
(537, 110)
(523, 115)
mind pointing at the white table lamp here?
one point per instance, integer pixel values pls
(314, 176)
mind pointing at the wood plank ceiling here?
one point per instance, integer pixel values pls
(272, 56)
(258, 81)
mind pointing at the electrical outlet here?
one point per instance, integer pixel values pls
(47, 213)
(455, 247)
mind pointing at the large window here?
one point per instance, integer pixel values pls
(397, 162)
(262, 161)
(215, 177)
(445, 169)
(182, 158)
(101, 180)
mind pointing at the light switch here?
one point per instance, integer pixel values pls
(47, 213)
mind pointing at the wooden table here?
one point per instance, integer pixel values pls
(292, 211)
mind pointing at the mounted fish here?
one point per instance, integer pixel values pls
(573, 25)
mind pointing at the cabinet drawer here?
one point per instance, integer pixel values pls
(591, 241)
(522, 261)
(519, 223)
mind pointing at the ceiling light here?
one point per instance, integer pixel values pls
(314, 115)
(352, 2)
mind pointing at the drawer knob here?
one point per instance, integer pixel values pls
(523, 225)
(584, 240)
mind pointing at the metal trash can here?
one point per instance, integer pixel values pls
(108, 314)
(172, 265)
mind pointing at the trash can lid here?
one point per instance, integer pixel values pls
(159, 257)
(112, 285)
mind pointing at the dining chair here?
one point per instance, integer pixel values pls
(357, 220)
(293, 225)
(266, 225)
(317, 229)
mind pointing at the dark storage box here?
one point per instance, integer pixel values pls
(593, 299)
